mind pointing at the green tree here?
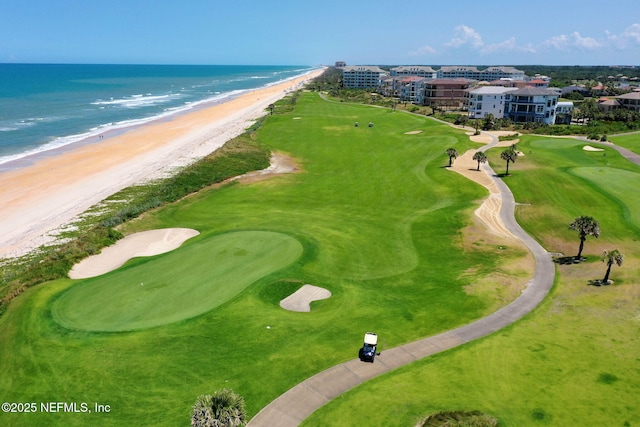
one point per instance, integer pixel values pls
(480, 157)
(510, 156)
(611, 257)
(452, 153)
(585, 226)
(489, 122)
(222, 409)
(589, 109)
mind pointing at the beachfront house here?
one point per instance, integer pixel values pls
(531, 104)
(362, 76)
(488, 100)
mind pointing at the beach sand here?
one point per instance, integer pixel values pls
(41, 197)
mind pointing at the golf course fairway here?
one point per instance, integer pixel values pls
(202, 276)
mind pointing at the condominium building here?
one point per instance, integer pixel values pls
(531, 104)
(414, 70)
(488, 100)
(362, 76)
(408, 88)
(444, 93)
(491, 73)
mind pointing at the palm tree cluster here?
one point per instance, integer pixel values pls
(222, 409)
(589, 226)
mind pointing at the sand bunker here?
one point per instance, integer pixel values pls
(413, 132)
(489, 210)
(301, 299)
(145, 243)
(590, 148)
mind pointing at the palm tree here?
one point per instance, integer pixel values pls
(509, 155)
(271, 107)
(611, 257)
(480, 157)
(585, 226)
(222, 409)
(452, 153)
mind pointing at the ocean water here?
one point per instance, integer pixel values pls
(47, 106)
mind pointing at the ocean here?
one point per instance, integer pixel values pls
(44, 107)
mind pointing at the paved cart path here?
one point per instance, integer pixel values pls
(292, 407)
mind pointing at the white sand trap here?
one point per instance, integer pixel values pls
(413, 132)
(590, 148)
(145, 243)
(301, 299)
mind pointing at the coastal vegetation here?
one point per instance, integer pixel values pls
(372, 209)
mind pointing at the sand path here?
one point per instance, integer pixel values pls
(38, 199)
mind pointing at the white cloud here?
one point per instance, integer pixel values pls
(629, 37)
(573, 41)
(424, 50)
(508, 45)
(465, 35)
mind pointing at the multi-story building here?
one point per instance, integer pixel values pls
(444, 93)
(531, 104)
(564, 112)
(497, 73)
(362, 76)
(488, 100)
(408, 88)
(490, 74)
(630, 101)
(414, 70)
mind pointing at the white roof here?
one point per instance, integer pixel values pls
(491, 90)
(370, 338)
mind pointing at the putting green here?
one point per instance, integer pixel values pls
(176, 286)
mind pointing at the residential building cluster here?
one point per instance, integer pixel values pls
(503, 92)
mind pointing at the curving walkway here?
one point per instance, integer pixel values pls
(292, 407)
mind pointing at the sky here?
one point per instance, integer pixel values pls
(320, 32)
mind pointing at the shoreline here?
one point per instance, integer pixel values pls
(49, 190)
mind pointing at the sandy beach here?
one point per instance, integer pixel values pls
(41, 197)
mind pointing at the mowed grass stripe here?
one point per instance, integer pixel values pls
(177, 286)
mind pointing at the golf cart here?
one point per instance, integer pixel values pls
(368, 350)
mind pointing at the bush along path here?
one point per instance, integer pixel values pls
(292, 407)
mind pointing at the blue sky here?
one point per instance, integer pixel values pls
(312, 32)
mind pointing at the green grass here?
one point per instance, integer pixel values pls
(574, 360)
(194, 280)
(630, 142)
(379, 219)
